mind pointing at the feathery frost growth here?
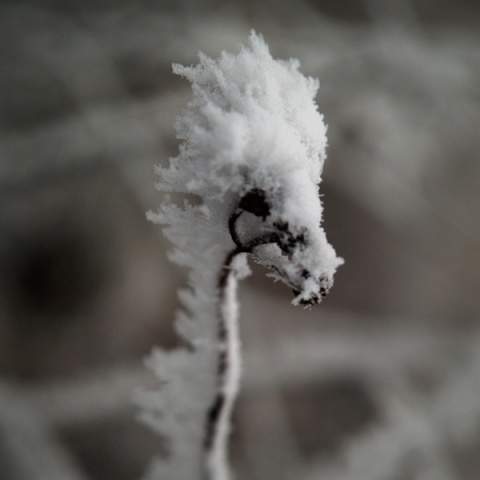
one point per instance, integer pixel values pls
(252, 149)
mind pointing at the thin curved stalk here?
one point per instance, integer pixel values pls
(228, 375)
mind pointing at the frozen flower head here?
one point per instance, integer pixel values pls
(253, 147)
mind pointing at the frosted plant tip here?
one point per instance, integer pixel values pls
(252, 148)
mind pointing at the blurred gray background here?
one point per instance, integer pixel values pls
(385, 373)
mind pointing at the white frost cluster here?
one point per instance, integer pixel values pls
(253, 125)
(252, 150)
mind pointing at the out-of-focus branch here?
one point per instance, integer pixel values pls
(28, 449)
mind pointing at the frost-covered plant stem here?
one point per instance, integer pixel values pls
(252, 151)
(228, 376)
(229, 351)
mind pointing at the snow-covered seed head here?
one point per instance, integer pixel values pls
(253, 147)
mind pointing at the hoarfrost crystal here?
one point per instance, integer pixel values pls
(252, 149)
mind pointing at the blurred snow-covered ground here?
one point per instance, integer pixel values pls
(381, 381)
